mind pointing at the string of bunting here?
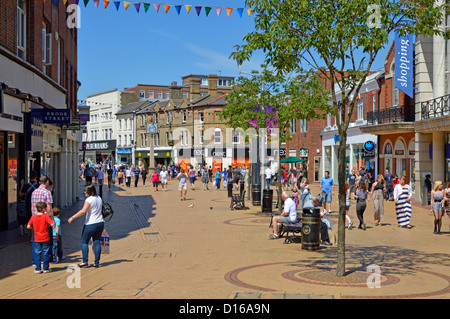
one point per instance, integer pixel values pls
(167, 7)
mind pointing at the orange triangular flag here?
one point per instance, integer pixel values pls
(105, 3)
(167, 7)
(249, 11)
(126, 5)
(188, 7)
(229, 11)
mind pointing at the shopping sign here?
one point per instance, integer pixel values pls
(52, 116)
(404, 63)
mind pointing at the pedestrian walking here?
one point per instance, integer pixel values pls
(377, 195)
(144, 175)
(136, 172)
(218, 179)
(205, 178)
(192, 177)
(128, 176)
(42, 194)
(110, 173)
(40, 222)
(93, 225)
(305, 192)
(389, 181)
(361, 196)
(57, 240)
(348, 192)
(155, 180)
(402, 200)
(164, 177)
(120, 177)
(182, 186)
(437, 197)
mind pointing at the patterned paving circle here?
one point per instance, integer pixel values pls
(329, 278)
(355, 279)
(247, 221)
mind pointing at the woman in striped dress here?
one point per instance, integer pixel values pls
(402, 200)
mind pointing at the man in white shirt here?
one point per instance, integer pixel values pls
(288, 216)
(268, 173)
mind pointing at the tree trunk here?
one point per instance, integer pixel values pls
(340, 271)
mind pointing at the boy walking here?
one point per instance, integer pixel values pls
(57, 243)
(40, 223)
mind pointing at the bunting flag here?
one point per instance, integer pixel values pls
(137, 5)
(55, 1)
(167, 7)
(198, 9)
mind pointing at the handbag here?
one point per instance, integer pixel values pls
(107, 210)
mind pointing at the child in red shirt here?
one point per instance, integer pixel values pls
(40, 223)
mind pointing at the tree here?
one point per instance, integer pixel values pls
(340, 39)
(270, 100)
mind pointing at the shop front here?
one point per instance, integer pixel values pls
(100, 151)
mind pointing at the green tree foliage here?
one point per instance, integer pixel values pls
(340, 39)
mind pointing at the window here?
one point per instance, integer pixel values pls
(184, 137)
(374, 102)
(167, 95)
(293, 126)
(303, 125)
(167, 138)
(183, 117)
(185, 95)
(204, 81)
(235, 137)
(160, 95)
(151, 94)
(46, 45)
(329, 119)
(142, 94)
(21, 29)
(201, 117)
(201, 136)
(360, 109)
(217, 136)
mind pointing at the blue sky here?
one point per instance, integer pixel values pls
(118, 49)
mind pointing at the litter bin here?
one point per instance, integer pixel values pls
(256, 195)
(267, 200)
(311, 228)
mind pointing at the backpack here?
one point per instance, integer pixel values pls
(107, 210)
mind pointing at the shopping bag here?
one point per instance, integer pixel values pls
(104, 242)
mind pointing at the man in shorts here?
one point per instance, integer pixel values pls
(327, 190)
(288, 216)
(182, 185)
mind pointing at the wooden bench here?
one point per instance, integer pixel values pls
(290, 230)
(238, 201)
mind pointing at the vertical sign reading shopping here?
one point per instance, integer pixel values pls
(404, 63)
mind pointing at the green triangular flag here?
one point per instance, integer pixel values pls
(146, 6)
(207, 9)
(86, 2)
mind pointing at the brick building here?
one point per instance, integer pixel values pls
(38, 63)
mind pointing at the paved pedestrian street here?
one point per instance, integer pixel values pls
(165, 248)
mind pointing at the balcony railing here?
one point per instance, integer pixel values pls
(403, 113)
(435, 108)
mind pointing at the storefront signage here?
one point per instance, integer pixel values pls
(56, 116)
(303, 152)
(152, 128)
(369, 149)
(99, 146)
(404, 68)
(75, 124)
(217, 152)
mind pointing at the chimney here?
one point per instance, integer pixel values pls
(175, 91)
(212, 85)
(194, 88)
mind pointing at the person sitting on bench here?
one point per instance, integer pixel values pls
(314, 202)
(288, 216)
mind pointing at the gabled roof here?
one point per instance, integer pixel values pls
(131, 107)
(219, 100)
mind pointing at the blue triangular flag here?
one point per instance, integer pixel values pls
(55, 1)
(178, 8)
(117, 4)
(239, 10)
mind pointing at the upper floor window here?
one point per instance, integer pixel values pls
(360, 109)
(46, 44)
(235, 136)
(303, 125)
(204, 81)
(217, 136)
(21, 29)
